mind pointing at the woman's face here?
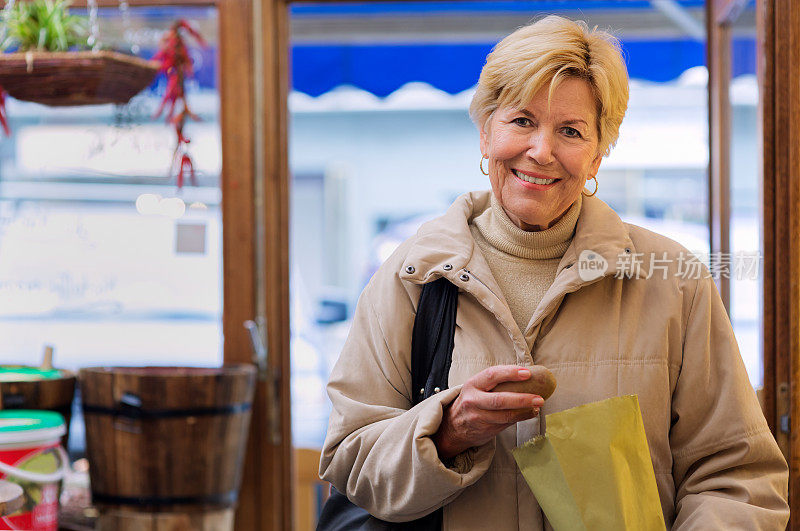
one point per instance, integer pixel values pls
(540, 157)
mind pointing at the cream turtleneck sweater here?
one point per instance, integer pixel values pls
(523, 263)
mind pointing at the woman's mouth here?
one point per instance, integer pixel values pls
(530, 181)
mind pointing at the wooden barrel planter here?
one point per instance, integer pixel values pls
(33, 388)
(166, 444)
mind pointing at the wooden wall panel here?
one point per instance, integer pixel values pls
(236, 108)
(718, 53)
(253, 58)
(765, 72)
(780, 111)
(272, 67)
(237, 181)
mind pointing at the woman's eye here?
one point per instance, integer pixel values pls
(572, 132)
(524, 122)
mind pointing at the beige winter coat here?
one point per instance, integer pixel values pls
(667, 340)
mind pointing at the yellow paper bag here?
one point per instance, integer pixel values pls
(592, 469)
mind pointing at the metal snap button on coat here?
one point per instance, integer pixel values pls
(464, 277)
(436, 389)
(447, 267)
(410, 269)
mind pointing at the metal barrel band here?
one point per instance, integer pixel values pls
(138, 413)
(225, 499)
(14, 401)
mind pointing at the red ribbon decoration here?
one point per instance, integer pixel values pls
(176, 65)
(3, 115)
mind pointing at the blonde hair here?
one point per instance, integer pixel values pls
(548, 51)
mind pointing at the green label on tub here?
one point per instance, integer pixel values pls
(17, 420)
(27, 374)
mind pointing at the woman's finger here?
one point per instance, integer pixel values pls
(506, 400)
(491, 376)
(506, 417)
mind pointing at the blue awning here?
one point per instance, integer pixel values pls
(472, 6)
(453, 68)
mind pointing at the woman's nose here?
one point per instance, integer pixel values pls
(540, 148)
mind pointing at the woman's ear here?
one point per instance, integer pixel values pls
(596, 164)
(484, 138)
(485, 130)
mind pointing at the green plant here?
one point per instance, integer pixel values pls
(43, 25)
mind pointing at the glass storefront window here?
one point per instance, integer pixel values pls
(91, 260)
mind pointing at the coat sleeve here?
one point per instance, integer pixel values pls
(378, 449)
(728, 470)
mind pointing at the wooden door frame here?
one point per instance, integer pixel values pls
(719, 18)
(254, 87)
(779, 70)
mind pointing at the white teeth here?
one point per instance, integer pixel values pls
(534, 180)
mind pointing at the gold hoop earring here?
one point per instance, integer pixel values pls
(596, 185)
(481, 164)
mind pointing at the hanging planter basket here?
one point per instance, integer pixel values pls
(61, 79)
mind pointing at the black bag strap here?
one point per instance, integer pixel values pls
(432, 341)
(432, 338)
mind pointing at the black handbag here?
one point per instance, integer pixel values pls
(432, 341)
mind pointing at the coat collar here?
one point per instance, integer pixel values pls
(444, 246)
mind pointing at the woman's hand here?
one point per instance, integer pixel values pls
(477, 415)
